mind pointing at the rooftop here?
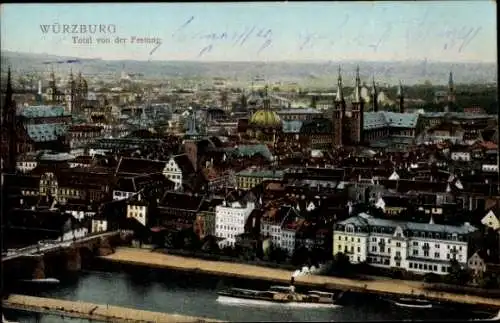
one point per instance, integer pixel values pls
(42, 111)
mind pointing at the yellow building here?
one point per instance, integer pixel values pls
(249, 178)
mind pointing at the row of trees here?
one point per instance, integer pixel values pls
(340, 264)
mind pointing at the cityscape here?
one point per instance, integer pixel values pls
(250, 162)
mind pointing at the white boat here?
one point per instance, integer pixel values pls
(412, 302)
(42, 281)
(278, 295)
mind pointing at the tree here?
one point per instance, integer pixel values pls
(341, 264)
(277, 254)
(457, 275)
(209, 244)
(489, 280)
(300, 256)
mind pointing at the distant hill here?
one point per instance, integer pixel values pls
(320, 74)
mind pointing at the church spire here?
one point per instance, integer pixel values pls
(451, 89)
(9, 122)
(357, 87)
(267, 101)
(401, 98)
(374, 95)
(340, 93)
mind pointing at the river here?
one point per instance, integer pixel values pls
(196, 295)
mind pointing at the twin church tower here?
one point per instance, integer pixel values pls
(348, 124)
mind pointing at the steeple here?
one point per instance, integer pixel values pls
(401, 98)
(9, 122)
(357, 87)
(451, 90)
(338, 114)
(357, 113)
(340, 93)
(374, 95)
(267, 101)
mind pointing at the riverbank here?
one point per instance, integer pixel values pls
(384, 287)
(91, 311)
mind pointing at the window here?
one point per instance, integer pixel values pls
(374, 248)
(415, 252)
(359, 249)
(419, 266)
(426, 253)
(435, 268)
(415, 243)
(398, 264)
(398, 244)
(359, 240)
(436, 255)
(436, 245)
(411, 265)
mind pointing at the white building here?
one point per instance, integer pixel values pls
(177, 169)
(74, 234)
(26, 163)
(230, 221)
(99, 225)
(461, 156)
(417, 247)
(281, 228)
(490, 220)
(138, 209)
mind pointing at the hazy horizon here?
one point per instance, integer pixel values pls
(452, 32)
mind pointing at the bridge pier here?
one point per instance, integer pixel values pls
(105, 248)
(73, 260)
(39, 270)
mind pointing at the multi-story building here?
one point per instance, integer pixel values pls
(417, 247)
(178, 168)
(249, 178)
(230, 221)
(280, 226)
(82, 135)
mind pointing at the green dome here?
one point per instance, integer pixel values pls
(265, 119)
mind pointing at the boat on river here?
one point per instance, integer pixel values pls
(285, 295)
(47, 281)
(412, 302)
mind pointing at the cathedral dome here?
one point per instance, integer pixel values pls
(265, 119)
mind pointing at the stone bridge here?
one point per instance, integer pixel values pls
(37, 262)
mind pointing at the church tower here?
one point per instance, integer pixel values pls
(52, 90)
(401, 98)
(338, 113)
(374, 95)
(451, 91)
(71, 97)
(357, 111)
(9, 125)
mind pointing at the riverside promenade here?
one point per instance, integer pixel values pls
(390, 286)
(98, 312)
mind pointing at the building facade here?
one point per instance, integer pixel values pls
(416, 247)
(230, 221)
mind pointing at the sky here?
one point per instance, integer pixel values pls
(448, 31)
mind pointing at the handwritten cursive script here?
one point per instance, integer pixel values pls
(212, 39)
(459, 37)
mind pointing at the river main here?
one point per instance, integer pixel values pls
(196, 295)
